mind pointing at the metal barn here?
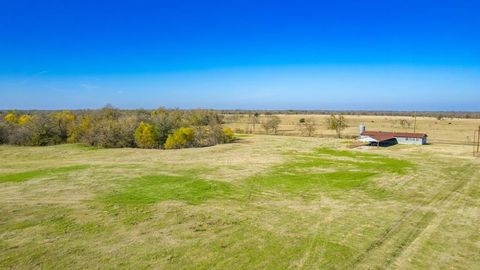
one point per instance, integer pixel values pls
(390, 138)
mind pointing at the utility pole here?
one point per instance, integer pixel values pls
(474, 141)
(478, 140)
(415, 123)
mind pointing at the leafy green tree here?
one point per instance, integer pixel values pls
(165, 122)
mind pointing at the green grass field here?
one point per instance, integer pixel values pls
(264, 202)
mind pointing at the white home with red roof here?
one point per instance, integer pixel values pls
(389, 138)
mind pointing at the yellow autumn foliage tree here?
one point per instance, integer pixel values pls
(80, 129)
(181, 138)
(24, 119)
(64, 121)
(229, 135)
(11, 118)
(64, 116)
(145, 136)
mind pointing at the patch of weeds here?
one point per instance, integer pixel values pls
(320, 181)
(66, 224)
(19, 225)
(322, 170)
(369, 161)
(55, 220)
(155, 188)
(28, 175)
(133, 200)
(62, 223)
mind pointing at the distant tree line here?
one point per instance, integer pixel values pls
(436, 114)
(114, 128)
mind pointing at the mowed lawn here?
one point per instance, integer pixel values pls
(264, 202)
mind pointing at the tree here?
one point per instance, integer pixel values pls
(64, 120)
(229, 136)
(24, 119)
(103, 132)
(105, 128)
(405, 123)
(181, 138)
(110, 112)
(19, 135)
(145, 136)
(254, 120)
(215, 133)
(271, 123)
(42, 131)
(165, 122)
(203, 118)
(337, 123)
(110, 127)
(80, 129)
(308, 126)
(126, 131)
(3, 133)
(11, 118)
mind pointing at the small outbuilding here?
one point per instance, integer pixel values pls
(389, 138)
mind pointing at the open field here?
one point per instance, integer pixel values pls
(446, 130)
(264, 202)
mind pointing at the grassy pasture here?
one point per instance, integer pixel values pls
(27, 175)
(446, 130)
(265, 202)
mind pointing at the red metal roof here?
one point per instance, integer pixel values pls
(383, 136)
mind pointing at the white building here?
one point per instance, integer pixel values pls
(390, 138)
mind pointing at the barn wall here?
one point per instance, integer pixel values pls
(402, 140)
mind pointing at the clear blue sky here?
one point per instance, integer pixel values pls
(372, 55)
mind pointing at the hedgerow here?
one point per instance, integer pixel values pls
(113, 128)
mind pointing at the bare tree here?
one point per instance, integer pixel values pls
(254, 120)
(405, 123)
(337, 123)
(307, 126)
(271, 123)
